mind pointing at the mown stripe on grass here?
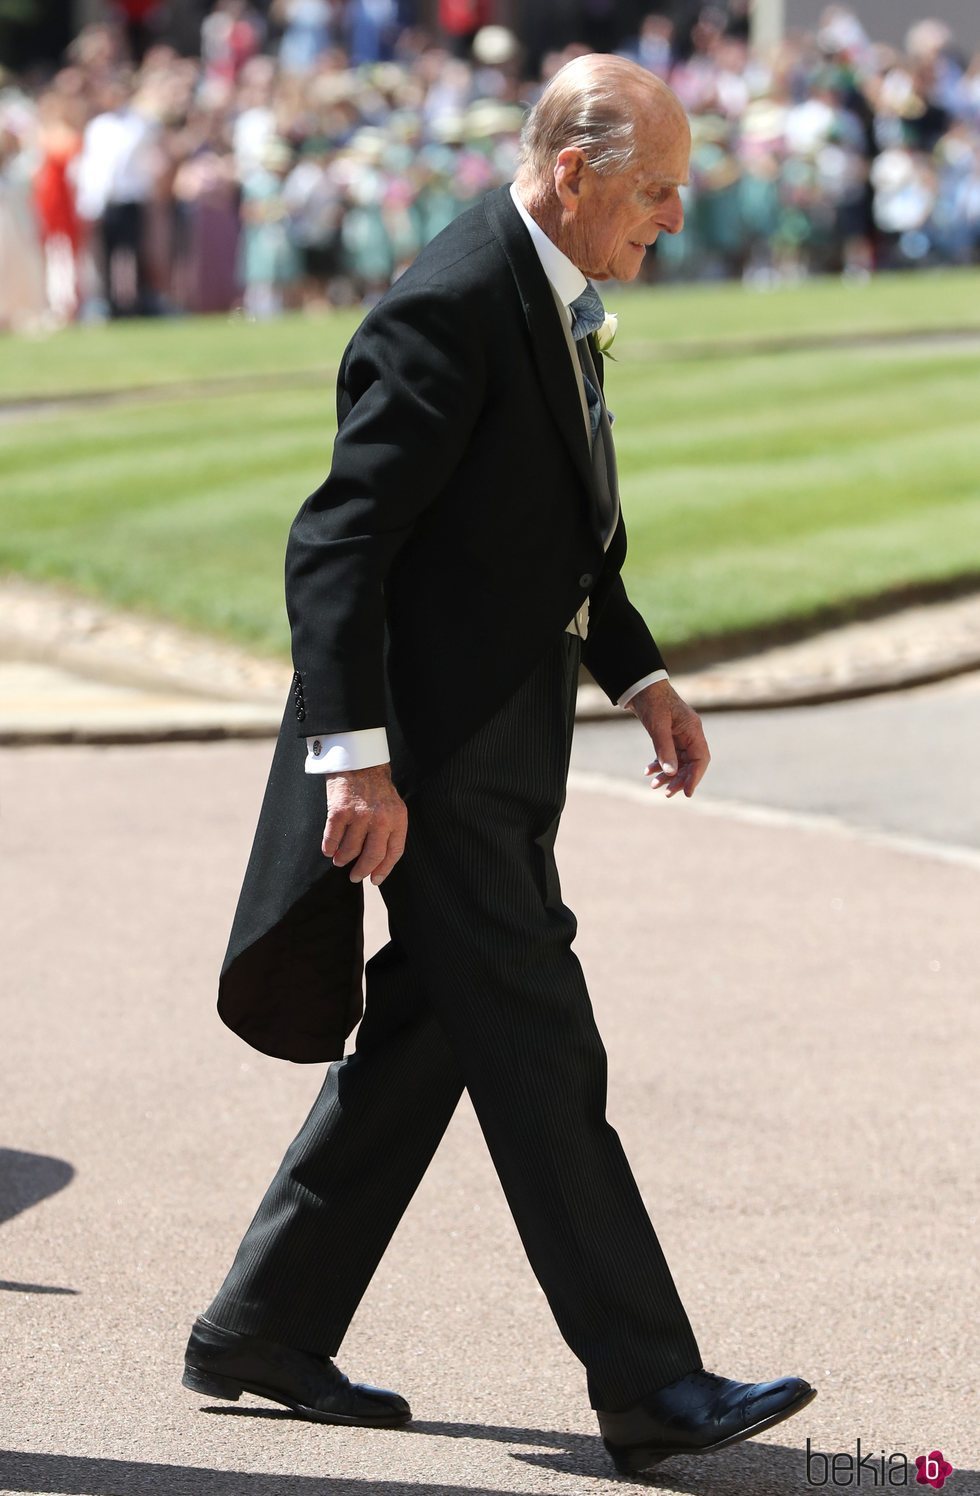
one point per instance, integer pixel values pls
(713, 592)
(755, 489)
(123, 355)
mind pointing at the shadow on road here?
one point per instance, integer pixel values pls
(25, 1180)
(750, 1468)
(71, 1475)
(28, 1178)
(7, 1287)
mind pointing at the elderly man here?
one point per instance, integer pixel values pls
(443, 584)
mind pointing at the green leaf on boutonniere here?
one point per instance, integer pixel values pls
(604, 336)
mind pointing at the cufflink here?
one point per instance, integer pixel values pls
(317, 747)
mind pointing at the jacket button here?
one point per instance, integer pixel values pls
(300, 713)
(586, 579)
(296, 677)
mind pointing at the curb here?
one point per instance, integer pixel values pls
(73, 671)
(743, 699)
(244, 722)
(134, 735)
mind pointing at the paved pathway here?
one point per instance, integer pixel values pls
(905, 764)
(792, 1025)
(789, 1009)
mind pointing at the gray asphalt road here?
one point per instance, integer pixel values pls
(907, 763)
(792, 1028)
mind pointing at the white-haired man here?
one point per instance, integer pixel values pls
(443, 583)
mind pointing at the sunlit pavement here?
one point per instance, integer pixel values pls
(791, 1017)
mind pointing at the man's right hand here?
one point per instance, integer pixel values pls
(367, 820)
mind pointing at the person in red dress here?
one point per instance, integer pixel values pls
(59, 225)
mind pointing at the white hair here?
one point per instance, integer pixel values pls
(583, 108)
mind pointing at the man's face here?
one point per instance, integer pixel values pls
(616, 217)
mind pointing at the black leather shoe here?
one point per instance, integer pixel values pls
(221, 1363)
(697, 1415)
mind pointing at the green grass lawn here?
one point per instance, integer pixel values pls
(761, 487)
(124, 355)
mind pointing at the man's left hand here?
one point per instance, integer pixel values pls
(677, 736)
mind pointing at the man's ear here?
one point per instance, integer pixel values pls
(570, 168)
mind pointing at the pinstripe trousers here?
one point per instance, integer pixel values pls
(477, 988)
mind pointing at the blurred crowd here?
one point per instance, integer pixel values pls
(310, 148)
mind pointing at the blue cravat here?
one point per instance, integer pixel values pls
(588, 315)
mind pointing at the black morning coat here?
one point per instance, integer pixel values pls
(454, 537)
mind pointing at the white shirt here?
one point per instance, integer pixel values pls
(332, 752)
(117, 163)
(251, 133)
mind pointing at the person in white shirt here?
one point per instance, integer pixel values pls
(117, 171)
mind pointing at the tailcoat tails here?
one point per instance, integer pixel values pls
(291, 980)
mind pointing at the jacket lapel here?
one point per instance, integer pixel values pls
(547, 339)
(599, 361)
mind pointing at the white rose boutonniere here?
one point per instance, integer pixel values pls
(606, 334)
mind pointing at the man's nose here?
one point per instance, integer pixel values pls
(672, 215)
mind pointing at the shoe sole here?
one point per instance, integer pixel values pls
(230, 1389)
(635, 1461)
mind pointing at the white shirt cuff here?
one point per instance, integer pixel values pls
(647, 680)
(335, 752)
